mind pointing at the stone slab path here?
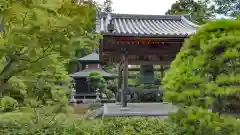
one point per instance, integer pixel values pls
(139, 109)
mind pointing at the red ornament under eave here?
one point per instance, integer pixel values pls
(93, 66)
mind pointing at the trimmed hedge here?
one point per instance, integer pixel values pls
(197, 121)
(106, 126)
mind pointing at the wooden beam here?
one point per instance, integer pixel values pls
(142, 43)
(141, 62)
(149, 63)
(142, 51)
(144, 40)
(156, 69)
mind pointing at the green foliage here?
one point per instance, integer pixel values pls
(197, 121)
(203, 11)
(147, 97)
(107, 6)
(107, 126)
(238, 17)
(227, 7)
(8, 104)
(96, 81)
(199, 11)
(206, 71)
(134, 79)
(38, 40)
(112, 85)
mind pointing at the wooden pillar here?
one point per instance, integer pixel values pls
(162, 71)
(125, 79)
(119, 86)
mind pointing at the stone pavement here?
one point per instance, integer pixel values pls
(139, 109)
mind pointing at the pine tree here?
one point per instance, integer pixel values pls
(207, 69)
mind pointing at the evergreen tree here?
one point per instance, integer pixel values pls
(206, 72)
(199, 11)
(107, 6)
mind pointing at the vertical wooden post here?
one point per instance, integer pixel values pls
(125, 79)
(162, 71)
(119, 86)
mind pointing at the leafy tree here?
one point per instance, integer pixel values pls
(206, 71)
(35, 30)
(38, 40)
(227, 7)
(199, 11)
(96, 81)
(107, 6)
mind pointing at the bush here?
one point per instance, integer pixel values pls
(8, 104)
(106, 126)
(196, 121)
(206, 74)
(96, 81)
(135, 126)
(207, 69)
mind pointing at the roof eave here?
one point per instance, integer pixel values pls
(102, 72)
(148, 35)
(183, 18)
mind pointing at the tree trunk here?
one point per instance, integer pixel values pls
(3, 83)
(5, 75)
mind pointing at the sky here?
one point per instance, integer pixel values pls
(148, 7)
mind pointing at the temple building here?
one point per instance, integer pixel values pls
(144, 40)
(89, 63)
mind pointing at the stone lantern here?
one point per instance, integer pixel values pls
(73, 92)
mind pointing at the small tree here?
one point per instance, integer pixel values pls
(96, 81)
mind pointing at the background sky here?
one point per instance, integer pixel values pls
(154, 7)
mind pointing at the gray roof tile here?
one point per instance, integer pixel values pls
(93, 57)
(86, 72)
(147, 25)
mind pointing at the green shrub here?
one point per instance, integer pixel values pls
(23, 125)
(196, 121)
(135, 126)
(207, 69)
(206, 74)
(96, 81)
(8, 104)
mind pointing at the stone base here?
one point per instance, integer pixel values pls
(118, 103)
(124, 109)
(139, 109)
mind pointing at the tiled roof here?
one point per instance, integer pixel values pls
(91, 57)
(86, 72)
(146, 25)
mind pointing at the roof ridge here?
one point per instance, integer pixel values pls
(145, 16)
